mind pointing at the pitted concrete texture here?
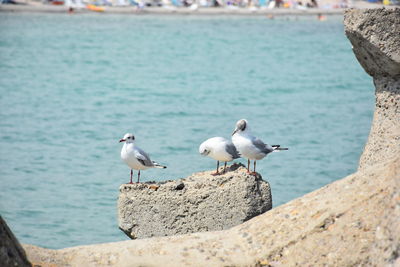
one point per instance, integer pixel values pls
(375, 36)
(350, 222)
(384, 138)
(198, 203)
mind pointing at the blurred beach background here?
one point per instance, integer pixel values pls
(73, 85)
(208, 7)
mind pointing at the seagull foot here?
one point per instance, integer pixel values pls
(215, 174)
(154, 187)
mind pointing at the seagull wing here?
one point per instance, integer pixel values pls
(260, 145)
(143, 158)
(231, 149)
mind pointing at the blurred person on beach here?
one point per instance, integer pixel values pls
(344, 4)
(321, 17)
(217, 3)
(313, 4)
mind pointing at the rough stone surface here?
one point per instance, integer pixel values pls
(386, 247)
(384, 138)
(11, 252)
(198, 203)
(351, 222)
(375, 35)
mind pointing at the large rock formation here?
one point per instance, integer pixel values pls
(337, 225)
(375, 35)
(351, 222)
(11, 252)
(198, 203)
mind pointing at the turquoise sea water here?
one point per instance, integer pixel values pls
(73, 85)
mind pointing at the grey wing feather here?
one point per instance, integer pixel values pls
(260, 145)
(231, 149)
(143, 157)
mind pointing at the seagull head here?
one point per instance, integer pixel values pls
(129, 138)
(241, 126)
(204, 150)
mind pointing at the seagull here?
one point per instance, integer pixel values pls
(135, 157)
(249, 146)
(219, 149)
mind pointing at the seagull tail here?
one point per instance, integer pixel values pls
(156, 165)
(278, 148)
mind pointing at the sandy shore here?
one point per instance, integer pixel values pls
(178, 11)
(35, 7)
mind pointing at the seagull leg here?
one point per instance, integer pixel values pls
(216, 173)
(225, 167)
(248, 165)
(131, 176)
(138, 176)
(254, 172)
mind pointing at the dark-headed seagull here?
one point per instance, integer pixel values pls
(249, 146)
(135, 157)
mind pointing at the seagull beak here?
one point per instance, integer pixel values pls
(122, 140)
(234, 131)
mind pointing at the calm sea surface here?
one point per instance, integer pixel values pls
(73, 85)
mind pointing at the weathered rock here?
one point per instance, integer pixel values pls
(11, 252)
(198, 203)
(385, 250)
(384, 138)
(375, 35)
(351, 222)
